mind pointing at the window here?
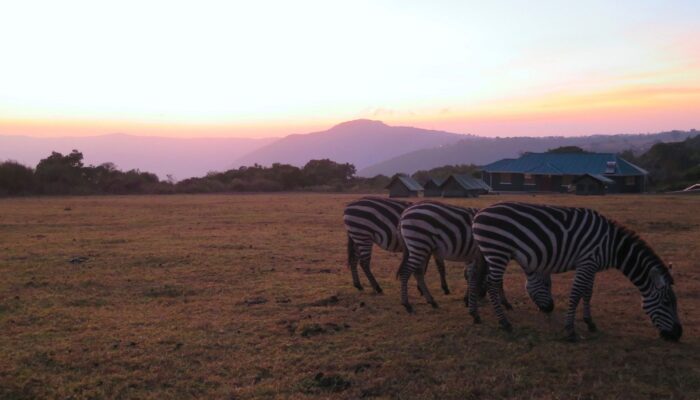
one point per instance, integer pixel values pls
(611, 167)
(630, 181)
(566, 180)
(529, 179)
(506, 179)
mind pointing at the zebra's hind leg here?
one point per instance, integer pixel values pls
(418, 287)
(355, 252)
(404, 274)
(368, 273)
(441, 269)
(495, 288)
(470, 298)
(420, 277)
(355, 276)
(467, 271)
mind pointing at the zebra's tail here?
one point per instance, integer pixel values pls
(352, 256)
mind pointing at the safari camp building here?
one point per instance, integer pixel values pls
(432, 188)
(404, 186)
(555, 172)
(463, 186)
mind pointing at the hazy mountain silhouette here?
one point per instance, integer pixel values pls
(361, 142)
(181, 157)
(481, 150)
(372, 146)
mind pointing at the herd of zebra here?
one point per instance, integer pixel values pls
(543, 239)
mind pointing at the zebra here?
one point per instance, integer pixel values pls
(445, 230)
(375, 220)
(549, 239)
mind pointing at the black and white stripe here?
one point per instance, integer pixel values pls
(375, 220)
(446, 231)
(547, 239)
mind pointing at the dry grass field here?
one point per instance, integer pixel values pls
(248, 296)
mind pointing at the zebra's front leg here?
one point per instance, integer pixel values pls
(587, 308)
(582, 282)
(495, 284)
(364, 263)
(441, 269)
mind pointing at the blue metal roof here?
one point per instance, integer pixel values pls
(566, 164)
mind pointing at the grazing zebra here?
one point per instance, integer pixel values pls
(371, 220)
(548, 239)
(446, 231)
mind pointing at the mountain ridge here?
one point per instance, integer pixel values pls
(482, 150)
(361, 142)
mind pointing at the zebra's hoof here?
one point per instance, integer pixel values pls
(446, 290)
(507, 306)
(379, 290)
(476, 318)
(359, 287)
(571, 335)
(506, 326)
(591, 325)
(420, 291)
(433, 304)
(409, 308)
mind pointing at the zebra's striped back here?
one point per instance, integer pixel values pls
(429, 227)
(375, 220)
(549, 239)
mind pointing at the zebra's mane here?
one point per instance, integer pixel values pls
(634, 236)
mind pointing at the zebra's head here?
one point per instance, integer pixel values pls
(539, 288)
(659, 302)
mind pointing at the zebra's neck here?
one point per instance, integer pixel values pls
(633, 256)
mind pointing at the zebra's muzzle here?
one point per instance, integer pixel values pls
(674, 334)
(547, 308)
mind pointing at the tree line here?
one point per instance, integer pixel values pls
(60, 174)
(671, 166)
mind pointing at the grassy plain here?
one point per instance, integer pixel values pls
(248, 296)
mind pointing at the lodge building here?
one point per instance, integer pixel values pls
(557, 172)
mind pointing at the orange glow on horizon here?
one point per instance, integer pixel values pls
(624, 110)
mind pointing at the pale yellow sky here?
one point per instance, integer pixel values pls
(270, 68)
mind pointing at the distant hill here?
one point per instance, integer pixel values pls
(183, 158)
(672, 166)
(361, 142)
(481, 150)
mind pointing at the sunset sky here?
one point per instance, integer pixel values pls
(270, 68)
